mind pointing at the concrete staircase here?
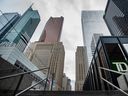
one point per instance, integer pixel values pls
(65, 93)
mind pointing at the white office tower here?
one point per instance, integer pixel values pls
(92, 22)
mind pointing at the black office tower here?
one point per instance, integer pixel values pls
(110, 54)
(116, 17)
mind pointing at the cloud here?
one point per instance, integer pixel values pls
(14, 5)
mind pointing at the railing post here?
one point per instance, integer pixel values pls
(52, 81)
(47, 79)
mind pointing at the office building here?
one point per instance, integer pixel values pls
(66, 84)
(111, 53)
(81, 67)
(92, 22)
(7, 20)
(94, 41)
(52, 30)
(21, 32)
(51, 55)
(116, 17)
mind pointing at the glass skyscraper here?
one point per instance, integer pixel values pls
(92, 22)
(21, 32)
(7, 20)
(116, 17)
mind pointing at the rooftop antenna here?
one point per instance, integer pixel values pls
(31, 5)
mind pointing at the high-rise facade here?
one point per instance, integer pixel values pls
(52, 30)
(116, 17)
(94, 41)
(92, 22)
(7, 20)
(81, 68)
(51, 55)
(21, 32)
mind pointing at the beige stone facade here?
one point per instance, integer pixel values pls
(81, 68)
(48, 54)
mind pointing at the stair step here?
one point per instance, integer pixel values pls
(65, 93)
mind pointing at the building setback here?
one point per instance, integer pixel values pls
(52, 30)
(51, 55)
(116, 17)
(111, 52)
(21, 32)
(81, 68)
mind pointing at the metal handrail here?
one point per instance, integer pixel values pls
(110, 82)
(29, 87)
(18, 74)
(113, 71)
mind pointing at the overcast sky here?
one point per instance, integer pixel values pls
(72, 30)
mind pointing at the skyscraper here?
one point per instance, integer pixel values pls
(92, 22)
(7, 20)
(81, 68)
(21, 32)
(52, 30)
(51, 55)
(116, 17)
(94, 41)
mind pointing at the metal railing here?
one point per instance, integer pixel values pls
(30, 87)
(23, 73)
(101, 68)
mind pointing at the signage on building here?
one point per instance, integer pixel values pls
(120, 66)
